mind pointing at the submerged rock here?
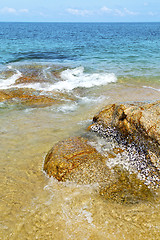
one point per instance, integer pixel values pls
(32, 98)
(135, 122)
(75, 160)
(31, 88)
(127, 188)
(39, 73)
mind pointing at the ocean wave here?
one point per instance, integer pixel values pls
(71, 79)
(74, 78)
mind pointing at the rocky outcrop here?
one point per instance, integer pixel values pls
(136, 122)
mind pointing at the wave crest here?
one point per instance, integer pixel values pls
(74, 78)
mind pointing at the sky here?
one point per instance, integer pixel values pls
(80, 10)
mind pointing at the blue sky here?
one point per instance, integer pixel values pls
(80, 10)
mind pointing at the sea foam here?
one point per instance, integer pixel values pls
(7, 83)
(70, 79)
(74, 78)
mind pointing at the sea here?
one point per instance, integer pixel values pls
(54, 77)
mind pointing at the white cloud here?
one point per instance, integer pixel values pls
(24, 10)
(8, 10)
(106, 10)
(78, 12)
(119, 12)
(152, 14)
(124, 12)
(130, 12)
(43, 14)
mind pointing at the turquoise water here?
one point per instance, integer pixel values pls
(120, 48)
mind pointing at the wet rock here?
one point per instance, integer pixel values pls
(75, 160)
(39, 74)
(28, 79)
(4, 96)
(31, 97)
(135, 122)
(127, 188)
(21, 93)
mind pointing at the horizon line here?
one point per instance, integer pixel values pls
(79, 22)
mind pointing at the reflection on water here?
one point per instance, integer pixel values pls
(34, 206)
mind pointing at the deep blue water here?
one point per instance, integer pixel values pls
(121, 48)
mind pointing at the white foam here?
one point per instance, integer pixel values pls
(36, 86)
(92, 99)
(88, 216)
(84, 122)
(9, 67)
(156, 89)
(71, 107)
(71, 79)
(67, 108)
(74, 78)
(7, 83)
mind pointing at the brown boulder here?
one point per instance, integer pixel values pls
(75, 160)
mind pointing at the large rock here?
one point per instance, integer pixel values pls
(75, 160)
(138, 122)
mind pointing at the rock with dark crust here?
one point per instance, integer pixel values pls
(138, 122)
